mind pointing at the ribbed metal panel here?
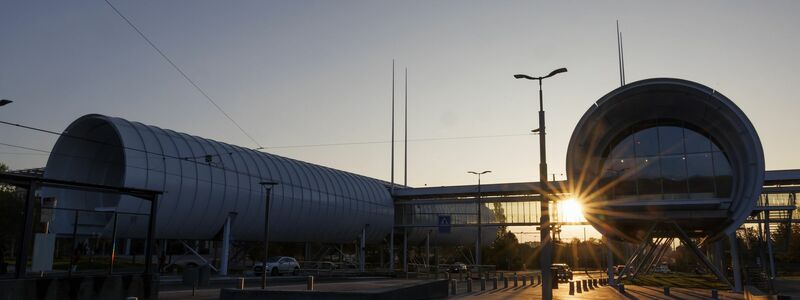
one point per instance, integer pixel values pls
(311, 203)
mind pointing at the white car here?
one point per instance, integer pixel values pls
(278, 265)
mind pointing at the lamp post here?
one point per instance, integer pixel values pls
(3, 102)
(545, 258)
(478, 241)
(268, 185)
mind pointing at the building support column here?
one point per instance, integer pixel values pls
(718, 255)
(391, 250)
(768, 237)
(127, 247)
(428, 248)
(737, 269)
(362, 250)
(226, 246)
(609, 261)
(405, 250)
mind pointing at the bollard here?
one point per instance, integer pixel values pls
(594, 283)
(571, 287)
(310, 283)
(715, 294)
(539, 279)
(502, 275)
(454, 286)
(524, 280)
(515, 279)
(469, 284)
(666, 291)
(585, 285)
(494, 283)
(621, 287)
(241, 283)
(483, 283)
(580, 290)
(505, 282)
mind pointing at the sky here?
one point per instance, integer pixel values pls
(295, 73)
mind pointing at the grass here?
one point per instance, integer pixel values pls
(680, 280)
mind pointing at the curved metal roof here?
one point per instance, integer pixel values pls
(204, 181)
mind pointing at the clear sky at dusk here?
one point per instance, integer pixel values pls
(319, 72)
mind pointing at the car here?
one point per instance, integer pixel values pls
(662, 268)
(457, 267)
(563, 271)
(278, 265)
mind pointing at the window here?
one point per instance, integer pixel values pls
(666, 160)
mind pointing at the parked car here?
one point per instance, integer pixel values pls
(278, 265)
(457, 267)
(662, 268)
(564, 273)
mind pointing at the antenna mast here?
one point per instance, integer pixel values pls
(621, 56)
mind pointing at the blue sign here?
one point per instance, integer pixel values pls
(444, 224)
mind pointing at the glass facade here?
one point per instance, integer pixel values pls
(666, 160)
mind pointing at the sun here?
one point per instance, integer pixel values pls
(570, 210)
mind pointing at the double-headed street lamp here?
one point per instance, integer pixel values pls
(268, 185)
(545, 257)
(478, 241)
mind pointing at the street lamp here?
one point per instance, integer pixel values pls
(3, 102)
(268, 185)
(478, 241)
(545, 258)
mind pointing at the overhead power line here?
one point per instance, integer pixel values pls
(175, 66)
(386, 142)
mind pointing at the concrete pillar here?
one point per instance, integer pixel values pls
(362, 250)
(127, 247)
(737, 269)
(226, 246)
(391, 250)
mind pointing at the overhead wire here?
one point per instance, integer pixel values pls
(183, 74)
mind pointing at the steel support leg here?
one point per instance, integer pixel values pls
(688, 242)
(226, 247)
(638, 252)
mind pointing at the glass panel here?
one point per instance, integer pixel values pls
(673, 173)
(649, 178)
(624, 148)
(696, 142)
(723, 177)
(671, 140)
(666, 162)
(646, 142)
(701, 176)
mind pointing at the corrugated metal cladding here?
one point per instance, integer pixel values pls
(205, 180)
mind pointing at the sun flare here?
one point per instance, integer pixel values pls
(570, 210)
